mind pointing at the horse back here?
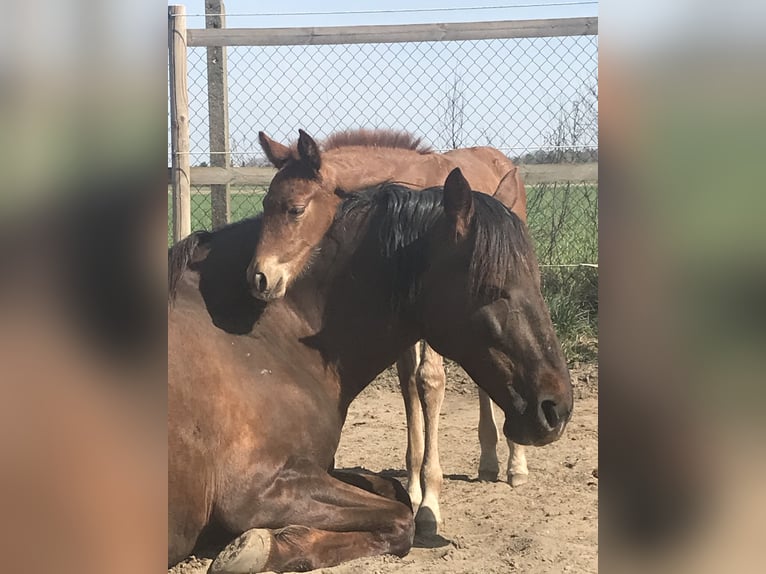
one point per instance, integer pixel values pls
(483, 167)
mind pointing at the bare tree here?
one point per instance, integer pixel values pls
(234, 151)
(453, 117)
(575, 127)
(245, 157)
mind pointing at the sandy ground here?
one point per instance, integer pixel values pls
(548, 525)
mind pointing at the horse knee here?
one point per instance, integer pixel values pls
(430, 378)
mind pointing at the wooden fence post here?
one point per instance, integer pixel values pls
(218, 109)
(179, 122)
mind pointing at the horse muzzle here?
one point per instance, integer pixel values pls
(266, 285)
(541, 426)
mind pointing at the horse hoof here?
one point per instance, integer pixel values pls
(426, 523)
(517, 479)
(246, 555)
(488, 475)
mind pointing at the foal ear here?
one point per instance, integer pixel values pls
(509, 190)
(308, 151)
(277, 153)
(458, 203)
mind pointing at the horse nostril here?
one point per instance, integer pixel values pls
(260, 283)
(550, 416)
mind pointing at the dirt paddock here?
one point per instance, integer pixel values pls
(548, 525)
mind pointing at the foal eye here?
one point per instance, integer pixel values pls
(296, 210)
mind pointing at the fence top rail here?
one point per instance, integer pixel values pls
(533, 174)
(389, 34)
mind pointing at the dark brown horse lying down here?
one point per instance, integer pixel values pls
(258, 393)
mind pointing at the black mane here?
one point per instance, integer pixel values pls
(221, 258)
(401, 218)
(179, 257)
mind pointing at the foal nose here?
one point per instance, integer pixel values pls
(257, 279)
(552, 414)
(260, 283)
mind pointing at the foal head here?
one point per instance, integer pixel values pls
(480, 303)
(297, 211)
(302, 199)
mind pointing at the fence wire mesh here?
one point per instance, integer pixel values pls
(536, 99)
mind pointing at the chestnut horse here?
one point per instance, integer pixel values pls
(298, 210)
(258, 393)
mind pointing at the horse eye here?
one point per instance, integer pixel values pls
(296, 210)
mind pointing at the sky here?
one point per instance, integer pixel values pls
(510, 89)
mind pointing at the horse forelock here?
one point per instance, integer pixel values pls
(295, 168)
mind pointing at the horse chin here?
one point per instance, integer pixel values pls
(521, 434)
(264, 296)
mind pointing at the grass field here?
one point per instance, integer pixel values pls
(563, 218)
(245, 202)
(563, 221)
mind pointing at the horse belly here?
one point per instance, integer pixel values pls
(292, 421)
(190, 493)
(194, 382)
(188, 511)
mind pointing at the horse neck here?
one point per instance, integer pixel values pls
(356, 167)
(347, 302)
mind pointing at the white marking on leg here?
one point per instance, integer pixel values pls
(489, 467)
(518, 473)
(431, 383)
(406, 367)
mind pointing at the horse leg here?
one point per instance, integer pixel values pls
(313, 521)
(382, 486)
(294, 549)
(518, 473)
(430, 383)
(406, 367)
(489, 467)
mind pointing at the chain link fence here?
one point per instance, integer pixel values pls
(536, 99)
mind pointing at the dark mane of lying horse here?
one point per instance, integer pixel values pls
(375, 138)
(179, 257)
(401, 218)
(220, 258)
